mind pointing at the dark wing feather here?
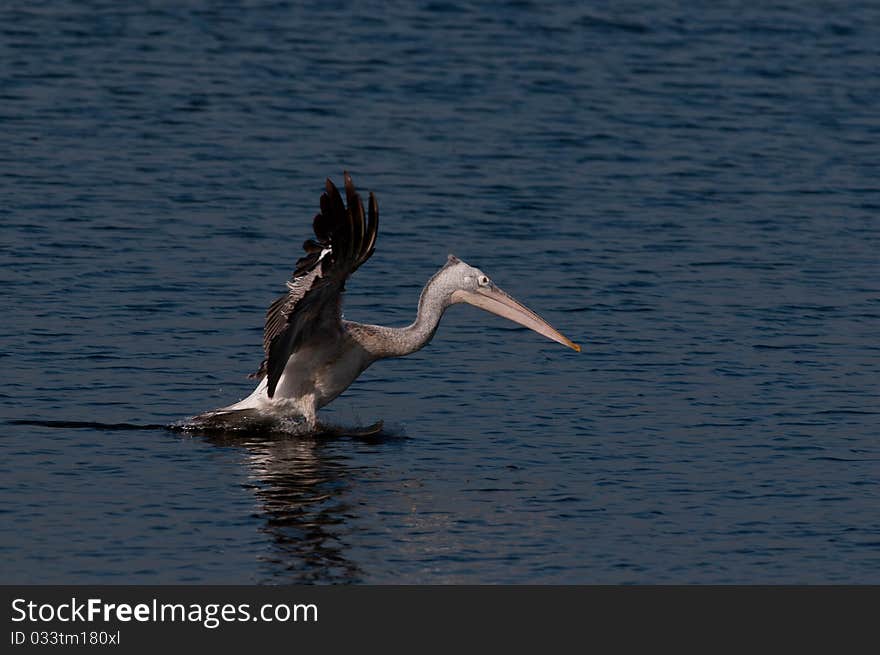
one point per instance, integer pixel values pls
(344, 239)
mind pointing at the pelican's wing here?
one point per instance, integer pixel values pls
(344, 239)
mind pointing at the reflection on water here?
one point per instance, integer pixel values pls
(301, 488)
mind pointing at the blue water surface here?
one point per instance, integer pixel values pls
(691, 192)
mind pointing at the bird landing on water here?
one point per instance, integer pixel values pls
(312, 355)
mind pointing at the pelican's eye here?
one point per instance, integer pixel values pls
(483, 281)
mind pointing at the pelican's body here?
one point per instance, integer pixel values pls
(314, 376)
(312, 355)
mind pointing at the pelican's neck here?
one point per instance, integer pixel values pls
(397, 342)
(432, 303)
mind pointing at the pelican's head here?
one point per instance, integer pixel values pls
(468, 284)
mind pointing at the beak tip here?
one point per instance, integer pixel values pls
(576, 347)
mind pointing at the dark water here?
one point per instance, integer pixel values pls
(692, 193)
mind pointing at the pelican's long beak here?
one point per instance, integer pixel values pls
(494, 300)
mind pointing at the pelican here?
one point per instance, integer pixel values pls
(312, 354)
